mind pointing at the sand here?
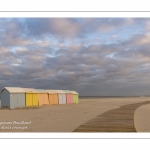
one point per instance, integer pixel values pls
(115, 120)
(142, 118)
(60, 118)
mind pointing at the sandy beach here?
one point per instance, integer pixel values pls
(142, 119)
(66, 118)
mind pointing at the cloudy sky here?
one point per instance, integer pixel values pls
(93, 56)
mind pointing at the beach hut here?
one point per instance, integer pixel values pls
(42, 97)
(53, 97)
(69, 97)
(12, 97)
(0, 100)
(75, 97)
(61, 96)
(31, 97)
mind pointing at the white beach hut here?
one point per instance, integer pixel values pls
(61, 96)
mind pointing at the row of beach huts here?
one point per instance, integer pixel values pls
(17, 97)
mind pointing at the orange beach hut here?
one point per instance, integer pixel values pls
(52, 97)
(42, 97)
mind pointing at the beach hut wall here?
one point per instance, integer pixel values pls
(61, 96)
(75, 97)
(31, 97)
(69, 97)
(53, 97)
(42, 97)
(0, 100)
(12, 97)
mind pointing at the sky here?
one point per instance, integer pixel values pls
(93, 56)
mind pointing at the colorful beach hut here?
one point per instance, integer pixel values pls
(0, 100)
(42, 97)
(69, 97)
(75, 97)
(12, 97)
(52, 97)
(61, 96)
(31, 97)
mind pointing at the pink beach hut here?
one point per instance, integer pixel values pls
(69, 97)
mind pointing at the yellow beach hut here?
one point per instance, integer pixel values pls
(31, 97)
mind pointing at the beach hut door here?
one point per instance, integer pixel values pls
(13, 101)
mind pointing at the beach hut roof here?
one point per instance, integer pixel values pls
(67, 91)
(51, 91)
(29, 90)
(41, 91)
(14, 89)
(60, 91)
(74, 92)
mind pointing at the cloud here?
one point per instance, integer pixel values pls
(60, 27)
(66, 53)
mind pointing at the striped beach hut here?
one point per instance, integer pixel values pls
(52, 97)
(12, 97)
(42, 97)
(69, 97)
(31, 97)
(75, 97)
(61, 96)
